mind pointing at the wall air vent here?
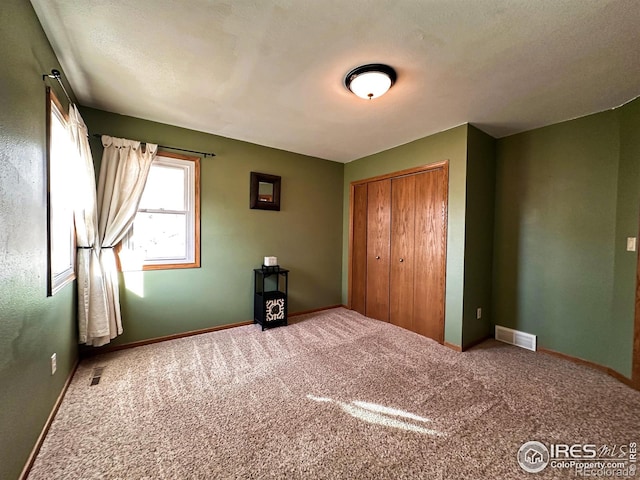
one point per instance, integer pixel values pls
(515, 337)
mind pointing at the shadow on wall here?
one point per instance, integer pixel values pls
(511, 192)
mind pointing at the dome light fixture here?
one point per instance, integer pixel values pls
(370, 81)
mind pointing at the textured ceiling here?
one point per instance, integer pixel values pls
(271, 71)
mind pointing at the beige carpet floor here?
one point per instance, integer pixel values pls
(334, 395)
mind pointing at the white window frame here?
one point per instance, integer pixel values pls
(59, 205)
(191, 167)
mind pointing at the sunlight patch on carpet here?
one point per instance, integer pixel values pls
(381, 415)
(374, 407)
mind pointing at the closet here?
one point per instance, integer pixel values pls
(397, 248)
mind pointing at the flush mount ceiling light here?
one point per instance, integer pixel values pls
(370, 81)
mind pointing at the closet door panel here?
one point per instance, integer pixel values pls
(359, 249)
(402, 245)
(378, 229)
(430, 247)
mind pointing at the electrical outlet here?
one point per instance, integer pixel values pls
(631, 244)
(54, 363)
(479, 313)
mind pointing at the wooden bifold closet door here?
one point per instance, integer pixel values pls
(377, 277)
(398, 249)
(430, 259)
(401, 278)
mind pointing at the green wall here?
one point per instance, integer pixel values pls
(478, 250)
(449, 145)
(32, 325)
(627, 218)
(305, 234)
(566, 198)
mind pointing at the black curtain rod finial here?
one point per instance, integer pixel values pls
(55, 74)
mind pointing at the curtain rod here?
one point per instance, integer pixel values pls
(205, 154)
(56, 74)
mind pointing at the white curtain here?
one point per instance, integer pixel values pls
(123, 174)
(92, 298)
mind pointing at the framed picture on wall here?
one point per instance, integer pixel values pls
(265, 191)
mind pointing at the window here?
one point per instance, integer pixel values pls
(61, 154)
(166, 231)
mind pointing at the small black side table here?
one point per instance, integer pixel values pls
(271, 285)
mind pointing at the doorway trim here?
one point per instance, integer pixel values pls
(635, 368)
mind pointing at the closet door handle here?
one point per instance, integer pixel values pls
(377, 257)
(401, 260)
